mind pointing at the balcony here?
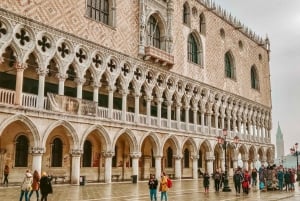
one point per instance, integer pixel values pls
(79, 107)
(159, 56)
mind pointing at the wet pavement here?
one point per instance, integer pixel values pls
(184, 190)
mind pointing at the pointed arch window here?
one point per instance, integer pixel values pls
(169, 157)
(229, 68)
(57, 153)
(254, 78)
(193, 50)
(21, 157)
(186, 14)
(186, 158)
(87, 154)
(153, 32)
(98, 10)
(202, 24)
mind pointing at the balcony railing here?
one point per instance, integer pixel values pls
(159, 56)
(76, 106)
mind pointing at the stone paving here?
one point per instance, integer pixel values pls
(184, 190)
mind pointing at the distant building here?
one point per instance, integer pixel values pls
(279, 142)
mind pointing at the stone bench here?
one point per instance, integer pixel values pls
(59, 175)
(115, 176)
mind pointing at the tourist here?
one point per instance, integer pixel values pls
(163, 187)
(35, 184)
(6, 173)
(206, 181)
(26, 186)
(153, 187)
(45, 186)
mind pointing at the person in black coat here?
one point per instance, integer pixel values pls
(45, 186)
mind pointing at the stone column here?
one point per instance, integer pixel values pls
(178, 106)
(178, 167)
(187, 121)
(61, 83)
(216, 120)
(136, 107)
(209, 162)
(195, 166)
(147, 166)
(75, 174)
(108, 169)
(245, 163)
(202, 120)
(169, 104)
(96, 92)
(111, 90)
(158, 166)
(80, 82)
(234, 163)
(37, 153)
(149, 99)
(124, 105)
(20, 67)
(135, 163)
(40, 101)
(159, 101)
(195, 111)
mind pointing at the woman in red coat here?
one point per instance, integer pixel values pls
(35, 184)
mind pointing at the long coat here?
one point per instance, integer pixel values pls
(45, 185)
(35, 184)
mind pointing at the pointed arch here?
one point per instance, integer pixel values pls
(134, 147)
(102, 133)
(70, 128)
(202, 24)
(175, 141)
(254, 78)
(194, 49)
(156, 140)
(229, 65)
(28, 122)
(186, 14)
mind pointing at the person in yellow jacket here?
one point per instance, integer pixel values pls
(163, 187)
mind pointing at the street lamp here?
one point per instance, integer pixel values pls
(223, 143)
(294, 151)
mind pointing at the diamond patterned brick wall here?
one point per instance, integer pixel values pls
(69, 16)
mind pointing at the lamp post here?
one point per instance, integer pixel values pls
(223, 143)
(294, 151)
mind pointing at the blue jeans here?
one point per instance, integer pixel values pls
(26, 195)
(280, 183)
(164, 194)
(153, 194)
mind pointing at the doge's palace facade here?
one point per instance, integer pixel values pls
(108, 89)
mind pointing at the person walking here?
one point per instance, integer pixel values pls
(206, 181)
(254, 178)
(280, 177)
(163, 187)
(237, 178)
(26, 186)
(45, 186)
(217, 178)
(6, 173)
(153, 187)
(35, 184)
(287, 180)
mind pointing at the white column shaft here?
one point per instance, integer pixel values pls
(75, 170)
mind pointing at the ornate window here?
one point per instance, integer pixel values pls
(57, 152)
(254, 78)
(186, 14)
(169, 157)
(87, 154)
(202, 25)
(193, 50)
(98, 10)
(153, 32)
(21, 157)
(186, 158)
(229, 68)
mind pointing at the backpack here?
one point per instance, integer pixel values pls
(169, 182)
(217, 176)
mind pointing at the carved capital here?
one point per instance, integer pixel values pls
(108, 154)
(135, 154)
(37, 150)
(20, 66)
(76, 152)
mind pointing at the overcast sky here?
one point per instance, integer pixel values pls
(280, 20)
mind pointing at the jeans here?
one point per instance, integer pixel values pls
(26, 195)
(153, 194)
(164, 194)
(237, 186)
(5, 179)
(280, 183)
(37, 194)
